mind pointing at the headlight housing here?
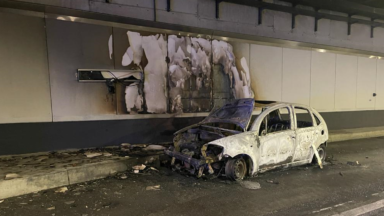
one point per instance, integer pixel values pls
(211, 151)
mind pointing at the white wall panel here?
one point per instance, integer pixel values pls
(380, 85)
(266, 72)
(346, 81)
(24, 83)
(296, 75)
(366, 83)
(323, 81)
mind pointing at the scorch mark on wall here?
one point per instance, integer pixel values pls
(189, 59)
(154, 48)
(240, 81)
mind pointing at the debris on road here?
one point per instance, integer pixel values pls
(356, 163)
(271, 181)
(156, 187)
(121, 176)
(51, 208)
(107, 154)
(61, 190)
(154, 169)
(154, 148)
(1, 201)
(138, 168)
(340, 173)
(11, 176)
(125, 147)
(69, 202)
(250, 185)
(92, 154)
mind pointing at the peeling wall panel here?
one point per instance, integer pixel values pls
(323, 81)
(366, 83)
(189, 74)
(266, 72)
(296, 77)
(346, 82)
(24, 83)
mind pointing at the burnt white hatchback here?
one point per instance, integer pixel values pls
(246, 137)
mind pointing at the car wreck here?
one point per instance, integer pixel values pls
(246, 137)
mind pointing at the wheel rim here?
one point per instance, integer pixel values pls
(239, 169)
(321, 153)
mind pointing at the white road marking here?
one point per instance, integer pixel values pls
(363, 209)
(341, 204)
(329, 208)
(323, 209)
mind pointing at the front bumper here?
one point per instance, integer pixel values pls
(196, 163)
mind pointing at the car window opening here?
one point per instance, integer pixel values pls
(303, 118)
(276, 121)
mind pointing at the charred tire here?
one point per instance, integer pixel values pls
(236, 169)
(322, 154)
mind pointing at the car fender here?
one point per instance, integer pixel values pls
(244, 144)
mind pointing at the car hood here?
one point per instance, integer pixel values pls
(237, 112)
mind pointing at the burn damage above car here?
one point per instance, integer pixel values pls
(232, 142)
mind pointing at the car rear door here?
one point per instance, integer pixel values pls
(305, 133)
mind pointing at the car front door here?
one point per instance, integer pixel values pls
(276, 138)
(305, 133)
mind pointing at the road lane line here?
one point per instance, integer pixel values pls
(363, 209)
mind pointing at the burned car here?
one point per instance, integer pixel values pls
(235, 142)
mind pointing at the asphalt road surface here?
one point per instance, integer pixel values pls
(339, 189)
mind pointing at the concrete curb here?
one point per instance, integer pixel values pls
(354, 134)
(68, 176)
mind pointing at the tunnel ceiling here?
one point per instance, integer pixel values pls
(367, 12)
(370, 3)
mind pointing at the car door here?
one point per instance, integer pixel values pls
(277, 143)
(305, 133)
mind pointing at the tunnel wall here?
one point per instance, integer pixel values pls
(45, 108)
(237, 19)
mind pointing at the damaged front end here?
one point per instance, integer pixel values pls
(192, 150)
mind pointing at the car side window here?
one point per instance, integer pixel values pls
(303, 118)
(276, 121)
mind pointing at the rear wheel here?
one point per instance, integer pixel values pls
(322, 154)
(236, 169)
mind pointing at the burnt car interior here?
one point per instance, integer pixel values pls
(277, 120)
(304, 118)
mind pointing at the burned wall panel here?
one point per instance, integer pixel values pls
(189, 74)
(146, 52)
(232, 78)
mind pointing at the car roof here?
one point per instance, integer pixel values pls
(268, 104)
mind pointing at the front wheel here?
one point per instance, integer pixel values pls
(322, 154)
(236, 169)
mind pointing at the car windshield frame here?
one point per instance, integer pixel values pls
(238, 112)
